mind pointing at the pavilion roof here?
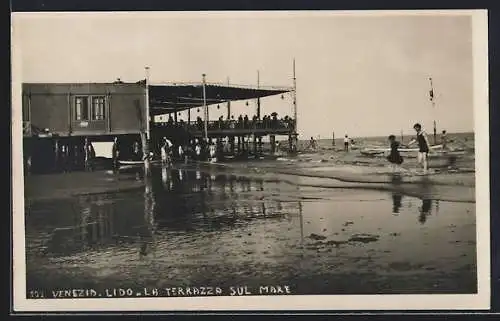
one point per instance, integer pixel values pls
(169, 98)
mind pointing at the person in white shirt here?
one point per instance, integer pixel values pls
(346, 143)
(198, 151)
(212, 152)
(181, 152)
(166, 151)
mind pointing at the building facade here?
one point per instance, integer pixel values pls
(93, 109)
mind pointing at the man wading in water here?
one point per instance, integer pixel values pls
(423, 146)
(89, 154)
(346, 143)
(115, 152)
(166, 152)
(444, 140)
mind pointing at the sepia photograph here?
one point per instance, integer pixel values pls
(250, 160)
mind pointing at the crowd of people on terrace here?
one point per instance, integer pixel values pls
(242, 122)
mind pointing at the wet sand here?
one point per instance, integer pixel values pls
(245, 225)
(69, 185)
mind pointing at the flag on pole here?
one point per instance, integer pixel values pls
(431, 92)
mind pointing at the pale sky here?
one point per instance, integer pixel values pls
(357, 74)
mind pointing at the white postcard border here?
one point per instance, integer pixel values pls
(481, 300)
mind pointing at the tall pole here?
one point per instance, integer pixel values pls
(146, 136)
(294, 98)
(147, 102)
(205, 107)
(228, 103)
(431, 97)
(258, 99)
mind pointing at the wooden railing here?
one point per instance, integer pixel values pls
(216, 126)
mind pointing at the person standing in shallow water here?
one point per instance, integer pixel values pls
(56, 156)
(444, 140)
(136, 151)
(394, 157)
(312, 144)
(115, 153)
(423, 146)
(346, 143)
(88, 154)
(166, 151)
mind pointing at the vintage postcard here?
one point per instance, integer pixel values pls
(280, 160)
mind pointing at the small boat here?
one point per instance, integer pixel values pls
(372, 151)
(137, 163)
(445, 153)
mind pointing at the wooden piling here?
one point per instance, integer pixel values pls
(145, 154)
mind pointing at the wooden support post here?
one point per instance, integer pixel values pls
(70, 119)
(145, 154)
(254, 144)
(107, 112)
(272, 140)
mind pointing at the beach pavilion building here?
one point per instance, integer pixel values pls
(57, 117)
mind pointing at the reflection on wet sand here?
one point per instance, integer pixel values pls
(425, 209)
(149, 218)
(184, 200)
(396, 202)
(94, 226)
(220, 226)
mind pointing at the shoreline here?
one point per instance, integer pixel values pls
(418, 186)
(457, 187)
